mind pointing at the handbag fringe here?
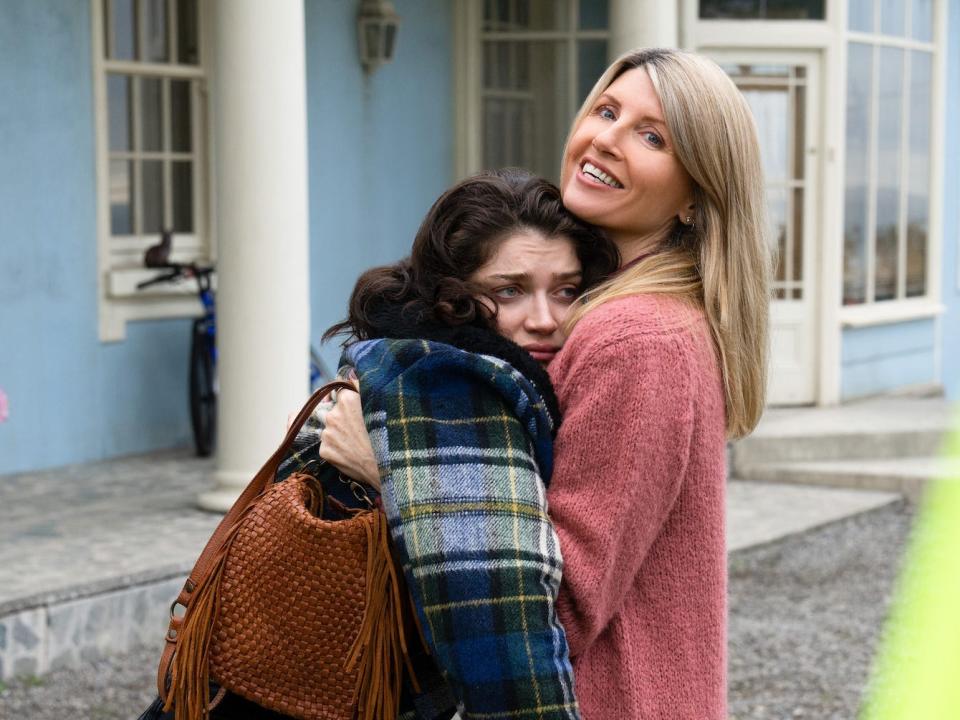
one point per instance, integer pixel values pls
(189, 691)
(381, 646)
(380, 649)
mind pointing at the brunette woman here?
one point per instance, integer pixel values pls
(665, 361)
(458, 397)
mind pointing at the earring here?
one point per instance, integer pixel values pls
(689, 221)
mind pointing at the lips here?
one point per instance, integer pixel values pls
(542, 352)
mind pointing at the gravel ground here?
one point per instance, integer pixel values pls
(805, 614)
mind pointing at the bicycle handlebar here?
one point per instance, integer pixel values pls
(176, 271)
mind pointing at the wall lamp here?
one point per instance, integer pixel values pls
(377, 25)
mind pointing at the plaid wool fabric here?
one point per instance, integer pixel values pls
(462, 441)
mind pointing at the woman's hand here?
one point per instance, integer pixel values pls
(344, 442)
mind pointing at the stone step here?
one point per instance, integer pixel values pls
(846, 446)
(906, 475)
(876, 429)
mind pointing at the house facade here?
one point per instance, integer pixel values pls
(253, 132)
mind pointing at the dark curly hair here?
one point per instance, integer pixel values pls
(456, 238)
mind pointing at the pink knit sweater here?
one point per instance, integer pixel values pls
(637, 497)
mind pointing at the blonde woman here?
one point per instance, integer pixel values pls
(664, 362)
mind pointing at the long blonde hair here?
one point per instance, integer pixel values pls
(723, 263)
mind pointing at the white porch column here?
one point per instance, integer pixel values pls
(260, 133)
(643, 23)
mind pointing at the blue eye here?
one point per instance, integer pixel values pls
(606, 112)
(652, 138)
(507, 293)
(568, 294)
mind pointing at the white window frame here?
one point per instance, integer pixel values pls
(119, 259)
(870, 311)
(830, 37)
(468, 73)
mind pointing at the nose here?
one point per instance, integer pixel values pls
(541, 320)
(607, 142)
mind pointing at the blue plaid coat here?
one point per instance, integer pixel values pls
(464, 446)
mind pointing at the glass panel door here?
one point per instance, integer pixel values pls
(781, 90)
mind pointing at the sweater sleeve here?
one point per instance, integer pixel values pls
(467, 511)
(620, 455)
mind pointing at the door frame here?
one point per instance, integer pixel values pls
(816, 227)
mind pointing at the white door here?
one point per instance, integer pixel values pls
(783, 91)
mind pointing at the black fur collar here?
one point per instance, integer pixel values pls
(394, 322)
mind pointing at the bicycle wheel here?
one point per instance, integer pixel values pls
(203, 394)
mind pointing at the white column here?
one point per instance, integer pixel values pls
(643, 23)
(260, 135)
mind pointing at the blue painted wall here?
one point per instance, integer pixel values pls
(380, 152)
(381, 147)
(950, 323)
(884, 357)
(72, 398)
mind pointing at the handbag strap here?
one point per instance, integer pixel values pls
(207, 558)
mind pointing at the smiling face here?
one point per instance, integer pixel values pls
(535, 280)
(620, 171)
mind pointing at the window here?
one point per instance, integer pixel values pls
(762, 9)
(888, 164)
(539, 60)
(150, 81)
(777, 96)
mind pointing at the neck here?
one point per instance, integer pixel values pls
(633, 247)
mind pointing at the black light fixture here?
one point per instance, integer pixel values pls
(377, 26)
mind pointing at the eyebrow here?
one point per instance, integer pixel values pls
(646, 118)
(518, 277)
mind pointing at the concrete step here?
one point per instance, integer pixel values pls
(880, 428)
(906, 475)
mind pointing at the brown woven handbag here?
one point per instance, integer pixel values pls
(299, 614)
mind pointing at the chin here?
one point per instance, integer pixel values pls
(583, 207)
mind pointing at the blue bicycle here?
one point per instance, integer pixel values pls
(203, 346)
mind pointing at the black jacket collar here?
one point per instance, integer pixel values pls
(395, 322)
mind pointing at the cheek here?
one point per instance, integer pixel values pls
(509, 321)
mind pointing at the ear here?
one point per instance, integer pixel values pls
(687, 213)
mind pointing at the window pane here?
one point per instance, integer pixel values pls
(514, 15)
(180, 115)
(799, 130)
(124, 30)
(893, 17)
(151, 117)
(889, 153)
(152, 199)
(922, 27)
(525, 115)
(155, 31)
(182, 197)
(777, 208)
(859, 73)
(770, 107)
(187, 32)
(918, 176)
(121, 197)
(797, 239)
(591, 62)
(118, 108)
(763, 9)
(594, 15)
(860, 14)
